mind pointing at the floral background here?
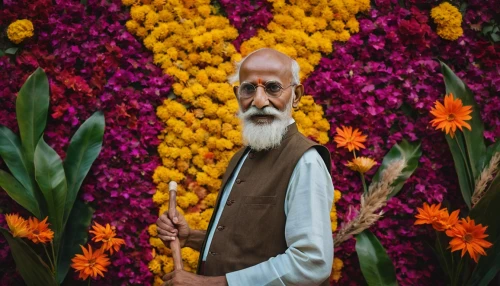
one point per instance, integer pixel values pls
(161, 83)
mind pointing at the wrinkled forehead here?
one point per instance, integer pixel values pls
(265, 66)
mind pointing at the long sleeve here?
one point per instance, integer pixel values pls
(308, 259)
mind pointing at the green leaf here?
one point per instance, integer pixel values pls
(462, 167)
(83, 149)
(74, 235)
(18, 193)
(2, 53)
(486, 212)
(487, 267)
(49, 173)
(12, 154)
(474, 139)
(410, 153)
(31, 267)
(11, 51)
(376, 266)
(32, 105)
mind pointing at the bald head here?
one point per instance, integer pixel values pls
(270, 60)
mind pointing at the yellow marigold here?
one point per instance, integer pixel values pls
(448, 20)
(20, 30)
(336, 269)
(450, 32)
(152, 230)
(154, 266)
(446, 14)
(129, 2)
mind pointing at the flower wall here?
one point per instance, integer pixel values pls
(384, 80)
(93, 63)
(158, 69)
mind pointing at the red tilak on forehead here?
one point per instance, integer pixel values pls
(259, 81)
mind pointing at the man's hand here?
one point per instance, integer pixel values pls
(183, 278)
(169, 228)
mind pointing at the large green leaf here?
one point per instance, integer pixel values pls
(487, 267)
(74, 235)
(376, 266)
(32, 105)
(83, 149)
(32, 268)
(474, 139)
(408, 152)
(49, 173)
(486, 212)
(18, 193)
(12, 154)
(462, 166)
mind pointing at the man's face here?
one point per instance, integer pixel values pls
(261, 68)
(266, 118)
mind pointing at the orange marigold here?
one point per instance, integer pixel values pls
(107, 236)
(18, 226)
(432, 215)
(469, 237)
(348, 139)
(40, 231)
(90, 263)
(451, 115)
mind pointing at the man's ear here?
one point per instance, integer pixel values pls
(235, 91)
(299, 92)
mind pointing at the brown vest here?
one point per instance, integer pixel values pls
(252, 225)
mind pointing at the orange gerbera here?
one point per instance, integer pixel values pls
(361, 164)
(90, 263)
(432, 215)
(40, 231)
(469, 237)
(347, 138)
(451, 115)
(107, 236)
(449, 221)
(18, 226)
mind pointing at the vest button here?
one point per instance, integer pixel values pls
(238, 181)
(229, 202)
(221, 227)
(213, 253)
(251, 155)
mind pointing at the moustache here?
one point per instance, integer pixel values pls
(254, 111)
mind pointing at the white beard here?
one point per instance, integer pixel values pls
(265, 136)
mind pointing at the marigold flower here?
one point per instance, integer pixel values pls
(451, 115)
(40, 231)
(469, 237)
(107, 236)
(91, 263)
(432, 215)
(347, 138)
(18, 226)
(361, 164)
(19, 30)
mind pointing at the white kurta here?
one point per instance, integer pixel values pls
(308, 233)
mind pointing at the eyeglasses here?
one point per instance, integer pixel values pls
(272, 89)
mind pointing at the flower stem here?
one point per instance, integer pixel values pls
(54, 257)
(354, 153)
(89, 282)
(363, 181)
(50, 260)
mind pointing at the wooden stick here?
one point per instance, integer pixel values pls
(175, 245)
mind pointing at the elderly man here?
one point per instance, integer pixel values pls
(271, 224)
